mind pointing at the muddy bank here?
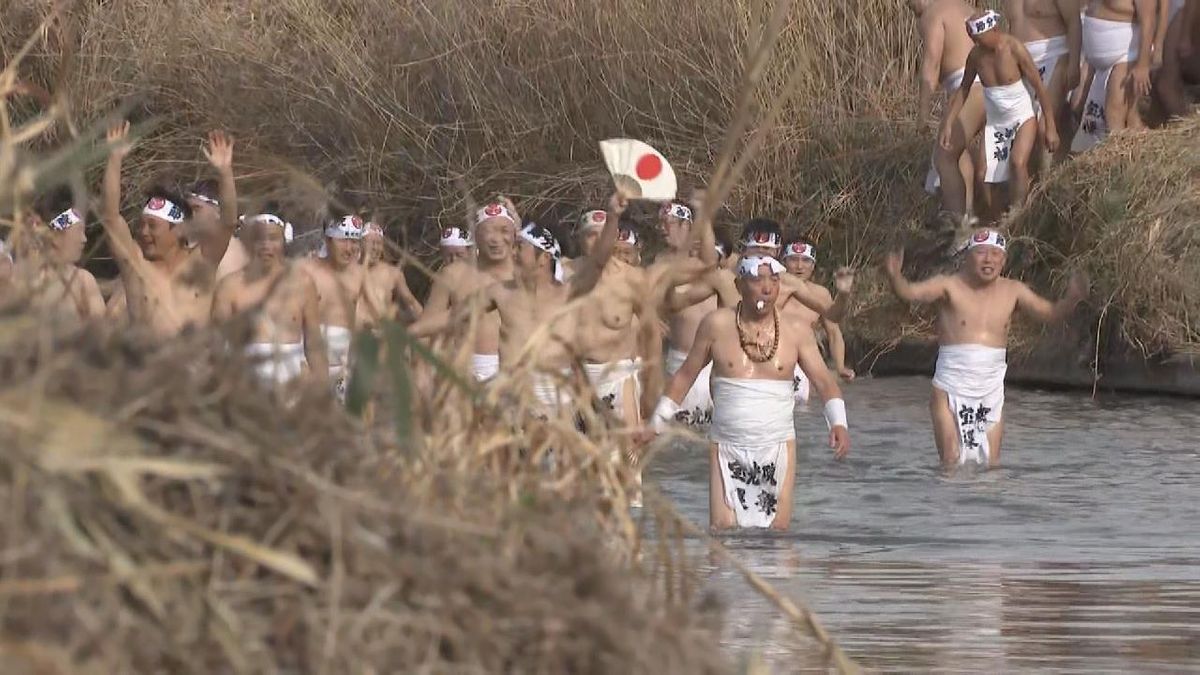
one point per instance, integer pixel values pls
(1049, 363)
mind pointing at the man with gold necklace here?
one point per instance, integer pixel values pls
(753, 438)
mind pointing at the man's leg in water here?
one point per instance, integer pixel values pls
(945, 430)
(1018, 169)
(783, 514)
(964, 129)
(995, 437)
(720, 516)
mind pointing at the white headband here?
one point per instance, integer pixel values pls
(983, 23)
(797, 248)
(348, 227)
(65, 220)
(761, 239)
(748, 267)
(677, 210)
(627, 236)
(271, 219)
(164, 209)
(455, 236)
(988, 238)
(544, 241)
(593, 219)
(494, 210)
(204, 198)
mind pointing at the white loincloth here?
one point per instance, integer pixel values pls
(697, 406)
(276, 364)
(1008, 107)
(485, 366)
(973, 378)
(608, 380)
(950, 85)
(551, 392)
(800, 385)
(1045, 54)
(1173, 10)
(752, 424)
(1105, 44)
(337, 345)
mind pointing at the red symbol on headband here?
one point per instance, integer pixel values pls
(447, 233)
(599, 216)
(762, 237)
(493, 210)
(980, 237)
(356, 221)
(625, 235)
(156, 203)
(648, 167)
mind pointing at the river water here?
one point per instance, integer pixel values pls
(1081, 554)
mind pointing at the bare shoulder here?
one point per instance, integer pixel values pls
(719, 319)
(231, 281)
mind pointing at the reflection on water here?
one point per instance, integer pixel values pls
(1081, 554)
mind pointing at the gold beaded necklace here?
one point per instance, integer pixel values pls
(750, 347)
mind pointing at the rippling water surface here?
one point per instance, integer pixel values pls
(1081, 554)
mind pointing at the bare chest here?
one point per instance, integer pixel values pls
(755, 352)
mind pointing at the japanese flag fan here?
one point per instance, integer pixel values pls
(639, 169)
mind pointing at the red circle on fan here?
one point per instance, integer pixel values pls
(157, 203)
(648, 167)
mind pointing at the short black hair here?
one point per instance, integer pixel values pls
(763, 225)
(725, 242)
(53, 202)
(206, 187)
(172, 196)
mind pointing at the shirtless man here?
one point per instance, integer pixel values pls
(975, 308)
(536, 326)
(1175, 39)
(456, 245)
(1053, 34)
(205, 225)
(51, 274)
(1117, 39)
(752, 454)
(459, 283)
(281, 304)
(1005, 69)
(339, 278)
(800, 258)
(167, 288)
(385, 284)
(945, 46)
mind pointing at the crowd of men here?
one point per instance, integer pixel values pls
(1063, 76)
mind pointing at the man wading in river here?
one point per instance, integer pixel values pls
(753, 354)
(975, 308)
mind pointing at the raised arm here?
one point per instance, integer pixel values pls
(837, 348)
(124, 249)
(587, 273)
(1029, 71)
(220, 155)
(933, 40)
(1069, 10)
(1041, 309)
(930, 290)
(810, 361)
(314, 343)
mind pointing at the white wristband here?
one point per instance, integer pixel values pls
(835, 413)
(664, 414)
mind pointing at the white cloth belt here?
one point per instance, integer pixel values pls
(276, 364)
(752, 425)
(1105, 44)
(337, 345)
(551, 391)
(608, 380)
(1008, 107)
(973, 378)
(1045, 54)
(800, 385)
(485, 366)
(950, 85)
(697, 406)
